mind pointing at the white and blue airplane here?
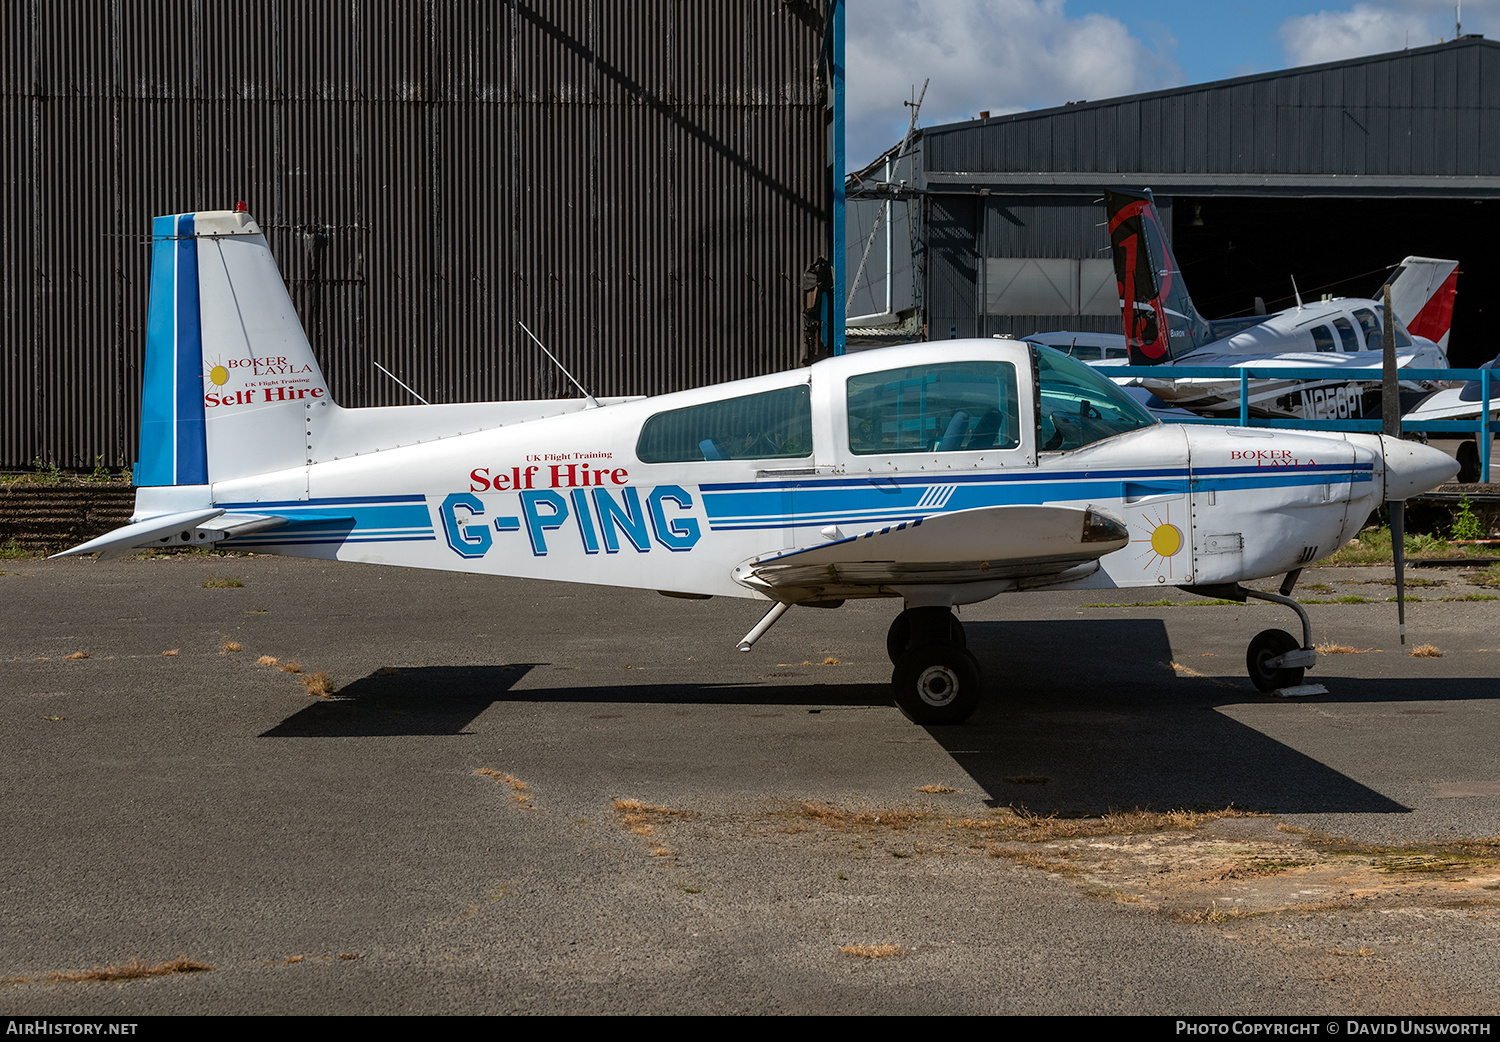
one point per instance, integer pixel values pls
(1163, 328)
(941, 474)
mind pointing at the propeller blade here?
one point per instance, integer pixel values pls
(1390, 388)
(1390, 407)
(1398, 551)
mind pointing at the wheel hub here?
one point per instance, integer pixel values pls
(937, 686)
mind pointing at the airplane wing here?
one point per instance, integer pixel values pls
(985, 544)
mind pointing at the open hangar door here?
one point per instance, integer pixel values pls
(1235, 248)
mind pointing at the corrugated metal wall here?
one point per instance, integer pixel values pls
(641, 184)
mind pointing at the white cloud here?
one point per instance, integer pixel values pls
(1372, 28)
(994, 55)
(1363, 29)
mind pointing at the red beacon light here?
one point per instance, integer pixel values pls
(240, 207)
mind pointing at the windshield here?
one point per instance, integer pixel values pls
(1076, 406)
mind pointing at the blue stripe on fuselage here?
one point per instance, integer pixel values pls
(749, 505)
(353, 519)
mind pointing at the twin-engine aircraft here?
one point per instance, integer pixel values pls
(1163, 328)
(942, 474)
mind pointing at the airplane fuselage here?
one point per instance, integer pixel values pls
(570, 497)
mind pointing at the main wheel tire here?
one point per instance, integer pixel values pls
(1267, 645)
(937, 684)
(1468, 463)
(898, 638)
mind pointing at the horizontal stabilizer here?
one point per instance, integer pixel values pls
(142, 533)
(188, 528)
(979, 545)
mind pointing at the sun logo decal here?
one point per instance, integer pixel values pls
(1164, 542)
(218, 374)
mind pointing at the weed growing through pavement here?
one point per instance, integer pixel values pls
(937, 789)
(519, 789)
(318, 685)
(1426, 651)
(642, 818)
(78, 654)
(227, 582)
(135, 969)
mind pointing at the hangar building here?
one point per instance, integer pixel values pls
(1328, 174)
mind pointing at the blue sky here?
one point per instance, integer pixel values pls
(1012, 55)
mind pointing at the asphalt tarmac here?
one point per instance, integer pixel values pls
(453, 830)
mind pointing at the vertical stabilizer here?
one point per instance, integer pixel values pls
(1422, 295)
(1160, 321)
(229, 374)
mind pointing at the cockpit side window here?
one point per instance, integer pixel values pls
(1371, 327)
(951, 407)
(1322, 338)
(1077, 406)
(772, 425)
(1346, 333)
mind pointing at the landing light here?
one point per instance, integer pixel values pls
(1097, 528)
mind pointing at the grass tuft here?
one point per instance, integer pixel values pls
(268, 660)
(135, 969)
(1027, 827)
(521, 789)
(290, 667)
(231, 647)
(1340, 649)
(319, 685)
(937, 789)
(227, 582)
(1214, 914)
(1426, 651)
(641, 818)
(78, 654)
(171, 653)
(872, 951)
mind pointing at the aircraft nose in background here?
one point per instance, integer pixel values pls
(1412, 468)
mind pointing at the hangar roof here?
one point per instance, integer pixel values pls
(1424, 121)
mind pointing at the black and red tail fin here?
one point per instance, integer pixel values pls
(1160, 321)
(1422, 294)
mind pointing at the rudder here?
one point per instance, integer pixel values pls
(229, 372)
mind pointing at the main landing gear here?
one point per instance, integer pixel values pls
(1274, 659)
(936, 680)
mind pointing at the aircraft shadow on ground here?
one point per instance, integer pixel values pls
(1094, 707)
(438, 700)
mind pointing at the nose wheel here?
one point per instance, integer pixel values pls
(1265, 657)
(1275, 659)
(936, 680)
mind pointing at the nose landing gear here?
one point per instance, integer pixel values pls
(1274, 659)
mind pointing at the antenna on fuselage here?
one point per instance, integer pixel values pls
(1296, 293)
(405, 388)
(593, 402)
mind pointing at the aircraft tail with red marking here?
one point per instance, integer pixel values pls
(1422, 295)
(1161, 322)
